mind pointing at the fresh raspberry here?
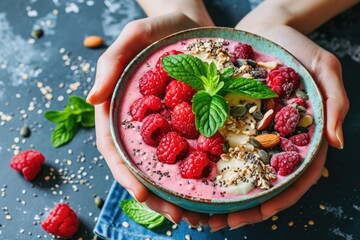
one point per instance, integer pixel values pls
(285, 162)
(287, 145)
(159, 65)
(243, 51)
(283, 80)
(286, 120)
(153, 128)
(28, 162)
(194, 165)
(62, 221)
(299, 101)
(183, 121)
(153, 83)
(178, 92)
(301, 139)
(172, 147)
(145, 106)
(213, 146)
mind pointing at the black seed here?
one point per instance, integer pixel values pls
(37, 33)
(25, 131)
(99, 202)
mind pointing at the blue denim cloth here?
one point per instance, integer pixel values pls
(109, 225)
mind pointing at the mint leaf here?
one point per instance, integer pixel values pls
(56, 116)
(64, 132)
(186, 68)
(227, 73)
(210, 112)
(141, 214)
(248, 87)
(75, 114)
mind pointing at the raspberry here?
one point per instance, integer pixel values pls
(285, 162)
(287, 145)
(62, 221)
(301, 139)
(194, 165)
(243, 51)
(213, 146)
(28, 162)
(159, 65)
(183, 121)
(153, 128)
(145, 106)
(286, 120)
(172, 147)
(153, 83)
(178, 92)
(283, 80)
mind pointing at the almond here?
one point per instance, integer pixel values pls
(93, 41)
(266, 120)
(268, 140)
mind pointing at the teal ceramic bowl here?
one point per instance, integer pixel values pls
(217, 205)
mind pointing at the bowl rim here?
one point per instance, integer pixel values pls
(288, 180)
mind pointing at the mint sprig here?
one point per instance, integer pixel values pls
(78, 113)
(141, 214)
(209, 106)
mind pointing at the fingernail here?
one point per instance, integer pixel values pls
(217, 229)
(239, 226)
(168, 217)
(92, 92)
(190, 224)
(132, 194)
(340, 136)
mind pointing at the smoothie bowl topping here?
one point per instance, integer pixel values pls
(214, 118)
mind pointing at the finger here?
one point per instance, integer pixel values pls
(195, 219)
(292, 194)
(135, 37)
(217, 222)
(169, 210)
(239, 219)
(107, 148)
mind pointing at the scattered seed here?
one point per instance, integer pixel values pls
(93, 41)
(325, 172)
(125, 224)
(99, 202)
(322, 206)
(187, 237)
(8, 217)
(169, 233)
(291, 223)
(299, 93)
(37, 33)
(311, 222)
(274, 218)
(274, 227)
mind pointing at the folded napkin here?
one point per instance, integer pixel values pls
(115, 225)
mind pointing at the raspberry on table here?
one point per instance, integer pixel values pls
(213, 146)
(172, 148)
(153, 128)
(285, 162)
(193, 166)
(153, 83)
(183, 121)
(286, 120)
(28, 162)
(287, 145)
(159, 65)
(283, 80)
(243, 51)
(145, 106)
(178, 92)
(301, 139)
(62, 221)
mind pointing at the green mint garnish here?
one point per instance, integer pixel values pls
(78, 113)
(141, 214)
(209, 106)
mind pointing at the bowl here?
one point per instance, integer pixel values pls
(123, 93)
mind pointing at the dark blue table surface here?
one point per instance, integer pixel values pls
(38, 75)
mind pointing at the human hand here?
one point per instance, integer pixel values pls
(326, 70)
(134, 38)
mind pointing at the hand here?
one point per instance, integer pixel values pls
(326, 70)
(134, 38)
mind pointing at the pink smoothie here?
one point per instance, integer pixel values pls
(144, 156)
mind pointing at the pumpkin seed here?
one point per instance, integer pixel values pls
(301, 94)
(264, 157)
(255, 142)
(37, 33)
(258, 115)
(238, 111)
(99, 202)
